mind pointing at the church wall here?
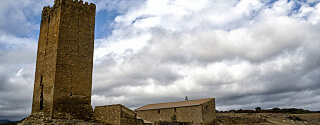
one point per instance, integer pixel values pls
(191, 114)
(202, 114)
(208, 112)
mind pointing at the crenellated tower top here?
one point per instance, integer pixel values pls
(73, 2)
(47, 10)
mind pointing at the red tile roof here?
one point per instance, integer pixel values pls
(174, 104)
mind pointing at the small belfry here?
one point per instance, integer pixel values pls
(63, 77)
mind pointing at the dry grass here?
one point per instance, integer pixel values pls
(268, 118)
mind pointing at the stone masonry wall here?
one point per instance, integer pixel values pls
(208, 112)
(109, 115)
(127, 113)
(46, 61)
(192, 114)
(128, 117)
(72, 94)
(63, 78)
(116, 115)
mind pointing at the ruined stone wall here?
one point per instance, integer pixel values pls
(191, 114)
(208, 112)
(140, 122)
(109, 115)
(63, 79)
(116, 115)
(128, 121)
(127, 113)
(128, 117)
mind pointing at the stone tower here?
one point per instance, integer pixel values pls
(63, 77)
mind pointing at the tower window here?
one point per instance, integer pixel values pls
(41, 93)
(175, 109)
(158, 111)
(41, 79)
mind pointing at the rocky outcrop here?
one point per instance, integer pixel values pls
(45, 119)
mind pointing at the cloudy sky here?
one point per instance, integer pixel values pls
(245, 53)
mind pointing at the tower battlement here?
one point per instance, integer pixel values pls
(47, 10)
(74, 2)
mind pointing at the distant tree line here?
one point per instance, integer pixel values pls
(273, 110)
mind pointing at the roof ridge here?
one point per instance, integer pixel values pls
(174, 104)
(180, 101)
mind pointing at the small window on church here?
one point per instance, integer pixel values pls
(158, 111)
(70, 94)
(175, 109)
(207, 107)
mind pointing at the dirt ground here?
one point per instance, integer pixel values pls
(268, 119)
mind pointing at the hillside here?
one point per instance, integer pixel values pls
(268, 118)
